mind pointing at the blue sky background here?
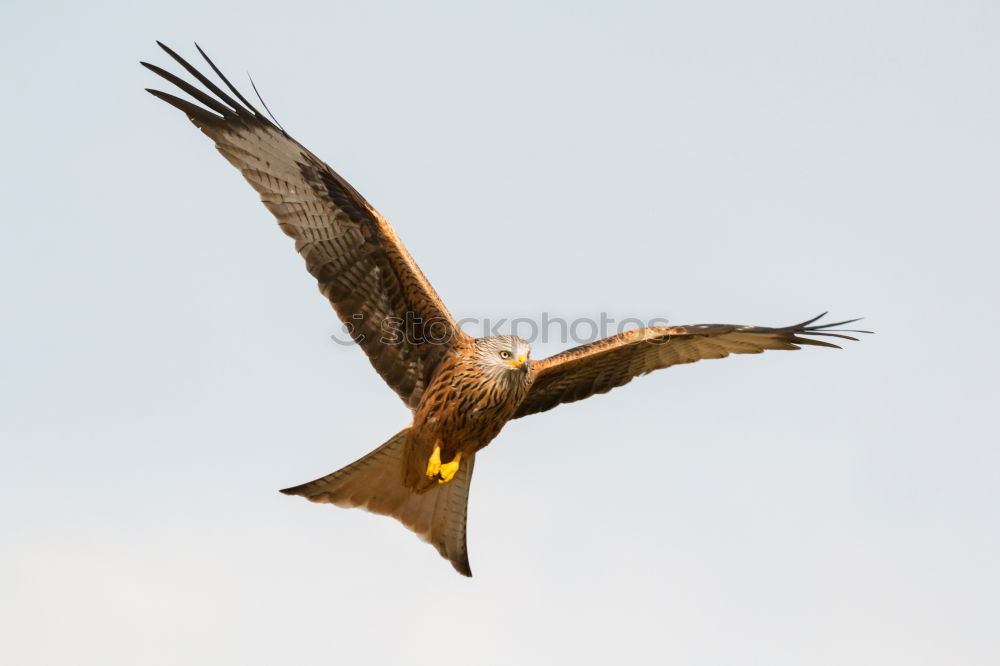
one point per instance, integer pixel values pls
(167, 364)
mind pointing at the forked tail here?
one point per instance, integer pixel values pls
(375, 483)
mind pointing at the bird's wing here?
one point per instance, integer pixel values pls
(362, 268)
(600, 366)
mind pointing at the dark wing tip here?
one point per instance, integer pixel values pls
(806, 323)
(828, 328)
(264, 104)
(837, 323)
(795, 339)
(229, 85)
(168, 50)
(221, 100)
(201, 116)
(810, 328)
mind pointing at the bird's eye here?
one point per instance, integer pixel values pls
(505, 354)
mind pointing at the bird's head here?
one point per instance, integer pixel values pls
(504, 355)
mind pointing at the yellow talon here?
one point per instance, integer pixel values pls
(434, 464)
(443, 472)
(449, 470)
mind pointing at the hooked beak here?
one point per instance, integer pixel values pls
(520, 363)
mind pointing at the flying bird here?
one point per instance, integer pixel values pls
(461, 390)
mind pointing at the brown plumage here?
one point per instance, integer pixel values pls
(461, 390)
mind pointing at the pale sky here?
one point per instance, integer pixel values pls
(167, 363)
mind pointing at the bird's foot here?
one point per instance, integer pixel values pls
(434, 463)
(449, 470)
(443, 472)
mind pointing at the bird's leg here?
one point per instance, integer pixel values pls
(450, 469)
(434, 463)
(443, 472)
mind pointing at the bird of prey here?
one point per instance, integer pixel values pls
(461, 390)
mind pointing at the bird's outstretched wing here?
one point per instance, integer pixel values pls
(600, 366)
(362, 268)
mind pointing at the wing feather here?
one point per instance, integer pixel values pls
(600, 366)
(361, 266)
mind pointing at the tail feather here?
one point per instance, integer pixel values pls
(375, 483)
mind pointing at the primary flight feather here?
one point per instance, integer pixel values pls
(461, 390)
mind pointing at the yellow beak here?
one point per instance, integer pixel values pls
(518, 363)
